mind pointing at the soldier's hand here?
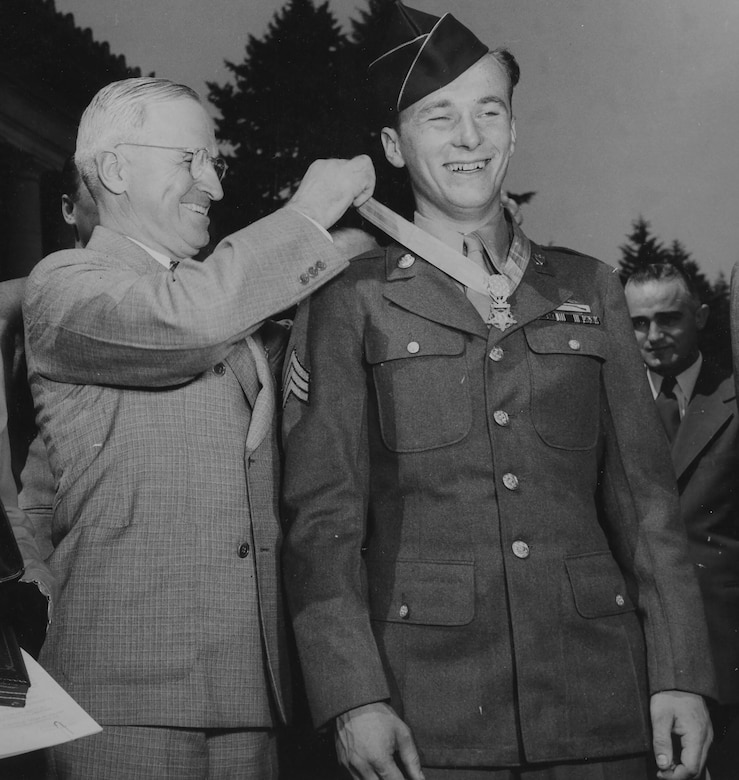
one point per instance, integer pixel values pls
(369, 738)
(329, 187)
(684, 716)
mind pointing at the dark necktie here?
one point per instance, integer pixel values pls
(668, 407)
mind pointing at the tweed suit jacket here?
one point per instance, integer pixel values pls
(483, 525)
(705, 454)
(165, 529)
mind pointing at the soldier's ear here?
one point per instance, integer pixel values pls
(391, 144)
(111, 171)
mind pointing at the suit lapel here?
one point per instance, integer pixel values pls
(708, 412)
(241, 363)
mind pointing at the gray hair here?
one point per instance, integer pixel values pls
(116, 114)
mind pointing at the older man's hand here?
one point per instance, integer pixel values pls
(685, 716)
(329, 187)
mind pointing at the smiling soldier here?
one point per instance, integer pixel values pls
(485, 563)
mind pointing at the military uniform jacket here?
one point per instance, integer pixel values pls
(165, 528)
(484, 525)
(705, 454)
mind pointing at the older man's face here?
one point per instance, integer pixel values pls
(167, 206)
(456, 143)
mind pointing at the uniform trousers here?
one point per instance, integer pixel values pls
(632, 768)
(146, 752)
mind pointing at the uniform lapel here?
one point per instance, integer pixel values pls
(242, 364)
(425, 290)
(708, 412)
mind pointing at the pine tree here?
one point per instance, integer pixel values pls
(643, 249)
(288, 106)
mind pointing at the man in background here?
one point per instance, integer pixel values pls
(155, 402)
(696, 400)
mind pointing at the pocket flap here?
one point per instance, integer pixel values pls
(419, 341)
(597, 585)
(436, 593)
(566, 339)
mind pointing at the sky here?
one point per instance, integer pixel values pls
(625, 107)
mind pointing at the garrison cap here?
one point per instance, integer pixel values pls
(422, 53)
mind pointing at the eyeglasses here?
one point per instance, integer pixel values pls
(199, 158)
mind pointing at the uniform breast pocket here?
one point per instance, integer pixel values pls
(421, 388)
(565, 367)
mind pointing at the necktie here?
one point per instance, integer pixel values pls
(264, 407)
(668, 407)
(473, 249)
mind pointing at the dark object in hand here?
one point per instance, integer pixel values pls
(14, 681)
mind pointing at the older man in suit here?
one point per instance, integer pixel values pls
(485, 563)
(697, 404)
(154, 399)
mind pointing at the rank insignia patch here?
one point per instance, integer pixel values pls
(297, 380)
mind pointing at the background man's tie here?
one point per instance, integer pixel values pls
(668, 407)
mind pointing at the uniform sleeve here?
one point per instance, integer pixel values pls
(93, 319)
(325, 491)
(643, 517)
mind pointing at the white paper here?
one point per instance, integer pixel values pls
(51, 716)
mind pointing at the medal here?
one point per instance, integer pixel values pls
(500, 310)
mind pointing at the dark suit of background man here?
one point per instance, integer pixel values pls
(154, 399)
(697, 401)
(485, 562)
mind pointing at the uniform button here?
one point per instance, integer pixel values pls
(243, 550)
(574, 344)
(404, 611)
(510, 481)
(406, 261)
(620, 601)
(413, 347)
(496, 354)
(219, 369)
(320, 265)
(304, 278)
(501, 417)
(520, 549)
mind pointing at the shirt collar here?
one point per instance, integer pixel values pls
(158, 256)
(519, 252)
(685, 380)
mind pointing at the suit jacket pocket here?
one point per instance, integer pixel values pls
(439, 593)
(565, 363)
(598, 586)
(421, 387)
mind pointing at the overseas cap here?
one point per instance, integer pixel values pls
(422, 53)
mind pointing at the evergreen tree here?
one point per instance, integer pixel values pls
(643, 249)
(288, 106)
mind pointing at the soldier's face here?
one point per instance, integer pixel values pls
(666, 323)
(456, 143)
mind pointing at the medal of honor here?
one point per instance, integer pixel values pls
(500, 310)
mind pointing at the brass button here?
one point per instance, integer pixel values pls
(620, 600)
(496, 354)
(404, 611)
(413, 347)
(510, 481)
(574, 344)
(406, 261)
(501, 417)
(520, 549)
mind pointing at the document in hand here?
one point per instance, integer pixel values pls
(51, 716)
